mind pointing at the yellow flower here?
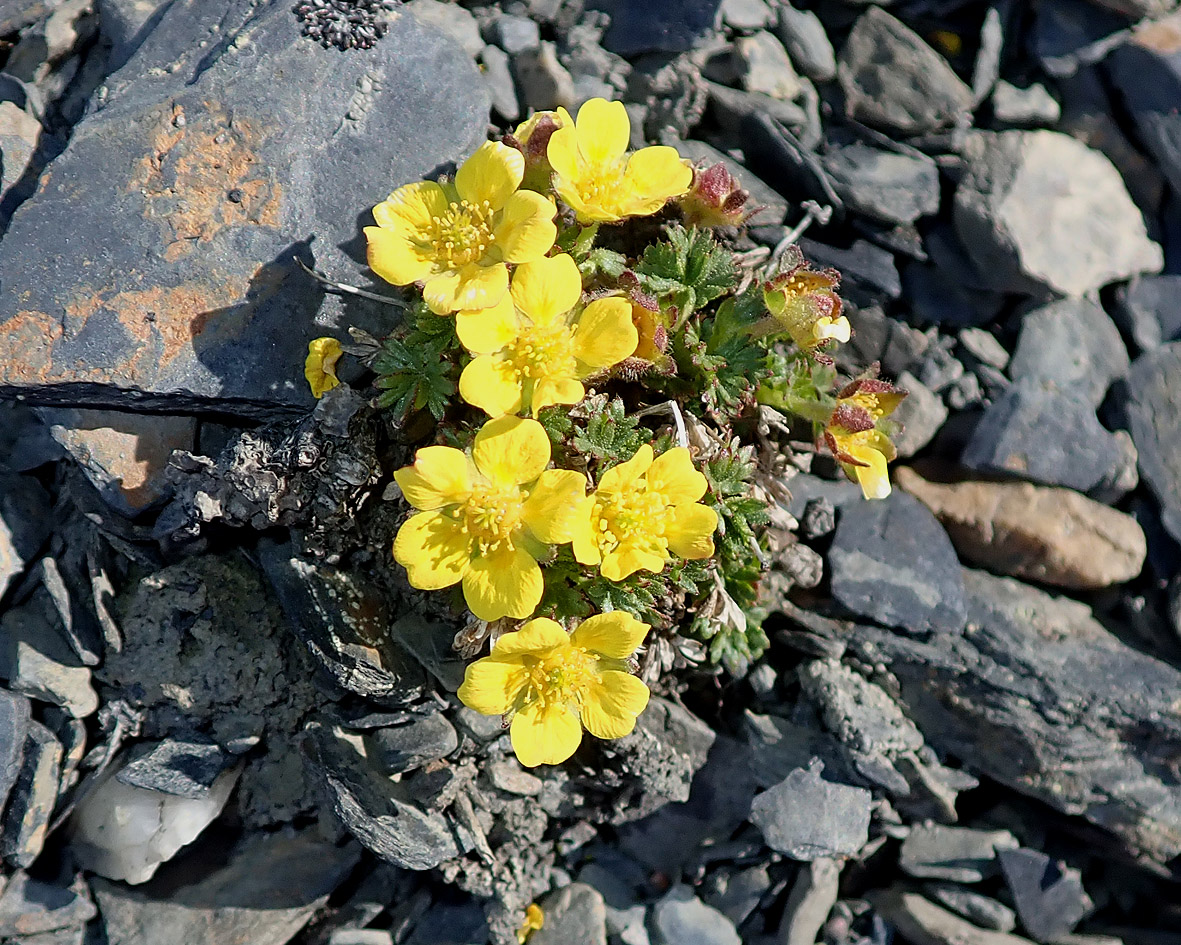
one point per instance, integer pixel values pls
(803, 303)
(855, 438)
(642, 510)
(486, 520)
(552, 683)
(320, 366)
(533, 349)
(457, 238)
(599, 180)
(534, 920)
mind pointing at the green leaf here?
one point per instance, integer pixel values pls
(419, 371)
(610, 435)
(689, 270)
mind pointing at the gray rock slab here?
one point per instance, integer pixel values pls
(450, 18)
(895, 81)
(14, 729)
(869, 273)
(805, 40)
(33, 797)
(921, 415)
(761, 65)
(1070, 346)
(174, 766)
(575, 913)
(665, 26)
(36, 661)
(747, 14)
(1031, 230)
(1152, 404)
(1067, 35)
(806, 817)
(1043, 436)
(179, 288)
(406, 747)
(1149, 309)
(448, 923)
(498, 76)
(1040, 697)
(922, 922)
(1050, 898)
(812, 896)
(1032, 105)
(892, 562)
(958, 854)
(25, 523)
(884, 185)
(513, 33)
(984, 911)
(31, 907)
(862, 715)
(680, 918)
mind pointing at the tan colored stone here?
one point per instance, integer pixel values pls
(1055, 536)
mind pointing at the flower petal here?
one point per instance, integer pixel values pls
(622, 477)
(439, 292)
(481, 287)
(511, 451)
(491, 174)
(438, 477)
(555, 390)
(490, 686)
(553, 504)
(525, 230)
(673, 476)
(412, 207)
(490, 383)
(394, 257)
(545, 735)
(319, 367)
(604, 131)
(582, 533)
(873, 477)
(562, 153)
(547, 287)
(626, 560)
(611, 706)
(486, 330)
(657, 173)
(506, 583)
(615, 635)
(434, 549)
(691, 530)
(539, 635)
(605, 334)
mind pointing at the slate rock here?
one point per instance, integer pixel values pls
(773, 207)
(1033, 105)
(33, 797)
(1037, 434)
(180, 768)
(737, 895)
(125, 24)
(14, 729)
(217, 176)
(762, 65)
(543, 81)
(662, 26)
(1070, 346)
(499, 77)
(920, 921)
(31, 907)
(958, 854)
(25, 523)
(732, 108)
(575, 913)
(746, 14)
(1050, 899)
(512, 33)
(861, 714)
(1069, 34)
(451, 19)
(1031, 229)
(1149, 309)
(406, 747)
(447, 923)
(680, 918)
(984, 911)
(868, 272)
(921, 415)
(895, 188)
(36, 661)
(894, 81)
(805, 40)
(892, 562)
(20, 135)
(812, 896)
(806, 816)
(1152, 404)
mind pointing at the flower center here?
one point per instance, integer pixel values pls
(604, 186)
(636, 518)
(542, 351)
(562, 677)
(491, 515)
(463, 234)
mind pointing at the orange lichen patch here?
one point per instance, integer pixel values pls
(26, 341)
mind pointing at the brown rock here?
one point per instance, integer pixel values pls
(1043, 533)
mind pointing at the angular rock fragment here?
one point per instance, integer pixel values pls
(575, 913)
(680, 918)
(803, 35)
(922, 922)
(32, 798)
(811, 900)
(1050, 899)
(984, 911)
(1152, 404)
(31, 907)
(806, 816)
(921, 415)
(1149, 309)
(187, 769)
(1054, 536)
(401, 749)
(14, 729)
(25, 521)
(895, 188)
(958, 854)
(664, 26)
(37, 662)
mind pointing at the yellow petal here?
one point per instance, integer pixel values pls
(690, 532)
(511, 451)
(555, 390)
(658, 173)
(873, 478)
(545, 735)
(615, 635)
(673, 476)
(622, 477)
(604, 131)
(838, 329)
(434, 550)
(319, 367)
(394, 257)
(562, 153)
(611, 706)
(525, 230)
(490, 383)
(490, 175)
(582, 533)
(605, 334)
(439, 292)
(553, 504)
(548, 287)
(490, 686)
(438, 477)
(412, 207)
(487, 330)
(539, 635)
(481, 287)
(503, 584)
(626, 560)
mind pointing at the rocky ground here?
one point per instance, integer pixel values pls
(222, 719)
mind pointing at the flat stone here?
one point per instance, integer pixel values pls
(513, 34)
(406, 747)
(680, 918)
(191, 297)
(25, 522)
(1043, 436)
(33, 797)
(31, 907)
(574, 913)
(922, 922)
(1149, 309)
(958, 854)
(747, 14)
(1051, 535)
(1070, 346)
(1033, 105)
(1032, 230)
(732, 108)
(498, 76)
(805, 40)
(869, 272)
(892, 562)
(508, 775)
(895, 188)
(921, 415)
(665, 26)
(810, 901)
(544, 83)
(806, 816)
(895, 81)
(860, 714)
(450, 19)
(180, 768)
(737, 895)
(984, 911)
(20, 133)
(14, 729)
(447, 923)
(1152, 404)
(772, 207)
(763, 66)
(1050, 899)
(36, 661)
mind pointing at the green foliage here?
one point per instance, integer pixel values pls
(799, 385)
(689, 270)
(415, 373)
(727, 374)
(610, 435)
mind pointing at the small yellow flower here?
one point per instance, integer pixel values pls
(803, 303)
(456, 238)
(534, 920)
(320, 366)
(486, 520)
(855, 438)
(534, 349)
(599, 180)
(552, 683)
(643, 510)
